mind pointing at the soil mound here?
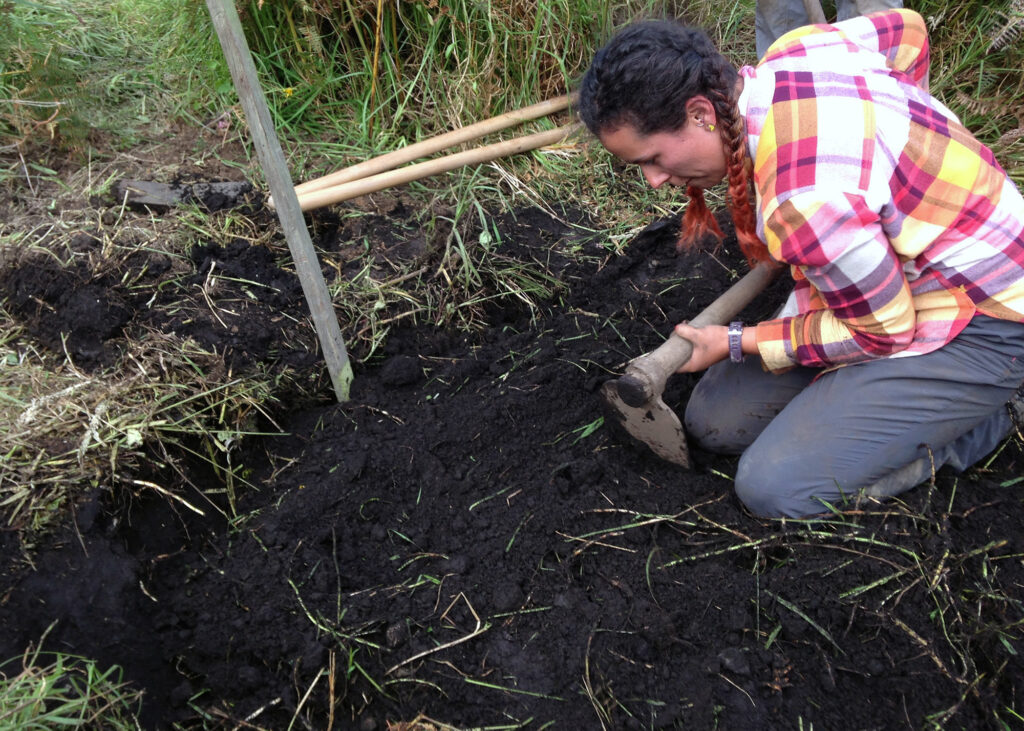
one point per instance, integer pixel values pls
(466, 541)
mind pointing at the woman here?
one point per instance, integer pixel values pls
(903, 339)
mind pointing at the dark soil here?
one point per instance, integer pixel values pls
(455, 543)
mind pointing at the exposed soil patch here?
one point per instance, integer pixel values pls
(463, 542)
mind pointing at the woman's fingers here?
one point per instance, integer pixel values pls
(710, 345)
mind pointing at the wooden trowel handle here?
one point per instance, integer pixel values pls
(645, 377)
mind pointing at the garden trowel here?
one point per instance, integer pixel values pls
(634, 400)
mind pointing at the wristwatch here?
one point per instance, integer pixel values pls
(736, 342)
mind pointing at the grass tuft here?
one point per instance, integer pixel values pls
(44, 690)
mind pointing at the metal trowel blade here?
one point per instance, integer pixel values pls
(654, 424)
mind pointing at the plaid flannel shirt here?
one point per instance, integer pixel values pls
(898, 225)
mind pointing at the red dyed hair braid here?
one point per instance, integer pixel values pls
(741, 185)
(698, 219)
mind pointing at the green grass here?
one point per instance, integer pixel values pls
(976, 69)
(72, 68)
(45, 690)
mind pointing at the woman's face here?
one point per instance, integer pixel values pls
(690, 155)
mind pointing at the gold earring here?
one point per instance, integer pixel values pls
(711, 128)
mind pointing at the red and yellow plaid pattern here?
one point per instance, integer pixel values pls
(897, 223)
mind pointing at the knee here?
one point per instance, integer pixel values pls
(774, 486)
(715, 426)
(758, 491)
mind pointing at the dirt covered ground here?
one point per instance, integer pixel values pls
(465, 542)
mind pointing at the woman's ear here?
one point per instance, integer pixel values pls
(701, 111)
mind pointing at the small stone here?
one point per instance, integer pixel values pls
(396, 634)
(181, 694)
(735, 661)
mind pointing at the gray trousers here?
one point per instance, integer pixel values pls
(773, 18)
(876, 427)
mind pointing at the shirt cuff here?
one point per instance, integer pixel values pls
(771, 346)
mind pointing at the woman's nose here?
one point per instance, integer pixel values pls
(655, 177)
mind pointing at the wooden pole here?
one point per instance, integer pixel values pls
(271, 157)
(436, 144)
(355, 188)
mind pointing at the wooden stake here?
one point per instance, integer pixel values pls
(268, 149)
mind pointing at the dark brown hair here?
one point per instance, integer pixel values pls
(644, 77)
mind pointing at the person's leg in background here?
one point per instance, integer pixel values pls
(846, 9)
(773, 18)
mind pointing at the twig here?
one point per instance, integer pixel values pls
(305, 698)
(481, 627)
(28, 177)
(926, 646)
(171, 495)
(733, 684)
(588, 687)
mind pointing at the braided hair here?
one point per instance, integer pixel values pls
(644, 77)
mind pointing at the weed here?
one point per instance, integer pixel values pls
(51, 690)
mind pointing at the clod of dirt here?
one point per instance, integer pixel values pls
(67, 308)
(402, 370)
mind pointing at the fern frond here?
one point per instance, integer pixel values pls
(980, 107)
(1010, 137)
(1013, 27)
(311, 33)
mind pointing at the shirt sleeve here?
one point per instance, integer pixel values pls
(902, 37)
(821, 175)
(856, 301)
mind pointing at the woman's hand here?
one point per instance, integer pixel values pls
(710, 345)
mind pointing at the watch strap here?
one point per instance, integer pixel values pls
(736, 342)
